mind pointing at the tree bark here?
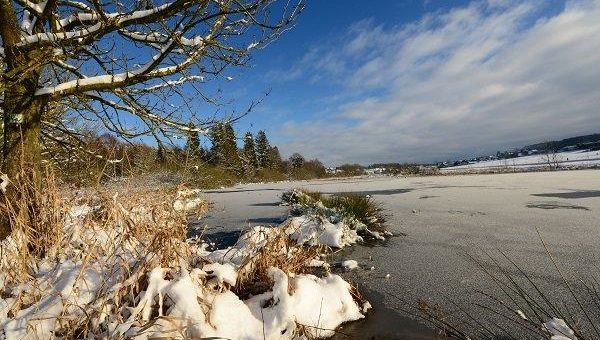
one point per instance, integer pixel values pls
(22, 152)
(22, 116)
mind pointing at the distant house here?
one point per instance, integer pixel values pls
(333, 171)
(375, 171)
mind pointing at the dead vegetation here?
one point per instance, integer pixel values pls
(279, 252)
(97, 253)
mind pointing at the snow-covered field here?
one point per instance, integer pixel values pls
(575, 159)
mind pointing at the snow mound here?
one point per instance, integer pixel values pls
(311, 230)
(188, 200)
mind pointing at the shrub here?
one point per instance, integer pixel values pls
(360, 212)
(362, 208)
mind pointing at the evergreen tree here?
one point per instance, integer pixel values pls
(275, 161)
(296, 161)
(225, 151)
(249, 155)
(216, 137)
(262, 150)
(192, 146)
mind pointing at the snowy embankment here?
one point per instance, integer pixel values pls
(566, 160)
(114, 270)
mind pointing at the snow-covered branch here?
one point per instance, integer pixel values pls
(110, 64)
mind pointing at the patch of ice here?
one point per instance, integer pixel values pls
(559, 329)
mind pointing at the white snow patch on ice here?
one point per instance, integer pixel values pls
(350, 264)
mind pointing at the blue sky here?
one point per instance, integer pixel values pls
(414, 80)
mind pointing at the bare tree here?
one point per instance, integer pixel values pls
(118, 65)
(551, 155)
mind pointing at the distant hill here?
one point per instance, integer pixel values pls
(568, 142)
(582, 143)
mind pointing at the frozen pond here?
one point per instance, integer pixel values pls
(449, 221)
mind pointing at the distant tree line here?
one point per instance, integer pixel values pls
(346, 170)
(222, 162)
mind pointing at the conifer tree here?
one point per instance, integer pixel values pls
(215, 139)
(228, 156)
(192, 146)
(296, 161)
(249, 155)
(275, 160)
(262, 150)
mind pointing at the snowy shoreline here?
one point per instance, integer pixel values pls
(108, 277)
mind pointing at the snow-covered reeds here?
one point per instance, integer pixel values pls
(117, 266)
(359, 212)
(279, 251)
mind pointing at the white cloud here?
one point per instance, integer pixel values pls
(477, 78)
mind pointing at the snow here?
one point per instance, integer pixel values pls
(318, 263)
(188, 200)
(223, 273)
(350, 264)
(563, 160)
(313, 230)
(27, 24)
(53, 37)
(70, 289)
(170, 83)
(187, 204)
(4, 182)
(147, 69)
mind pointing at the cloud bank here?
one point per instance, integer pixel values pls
(469, 80)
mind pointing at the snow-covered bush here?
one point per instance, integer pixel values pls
(352, 211)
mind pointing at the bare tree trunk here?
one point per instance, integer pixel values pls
(21, 151)
(22, 115)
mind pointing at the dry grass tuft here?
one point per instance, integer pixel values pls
(353, 206)
(33, 218)
(279, 252)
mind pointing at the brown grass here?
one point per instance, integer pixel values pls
(142, 225)
(279, 252)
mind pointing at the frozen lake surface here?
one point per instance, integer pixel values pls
(449, 221)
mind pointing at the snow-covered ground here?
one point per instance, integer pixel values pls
(575, 159)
